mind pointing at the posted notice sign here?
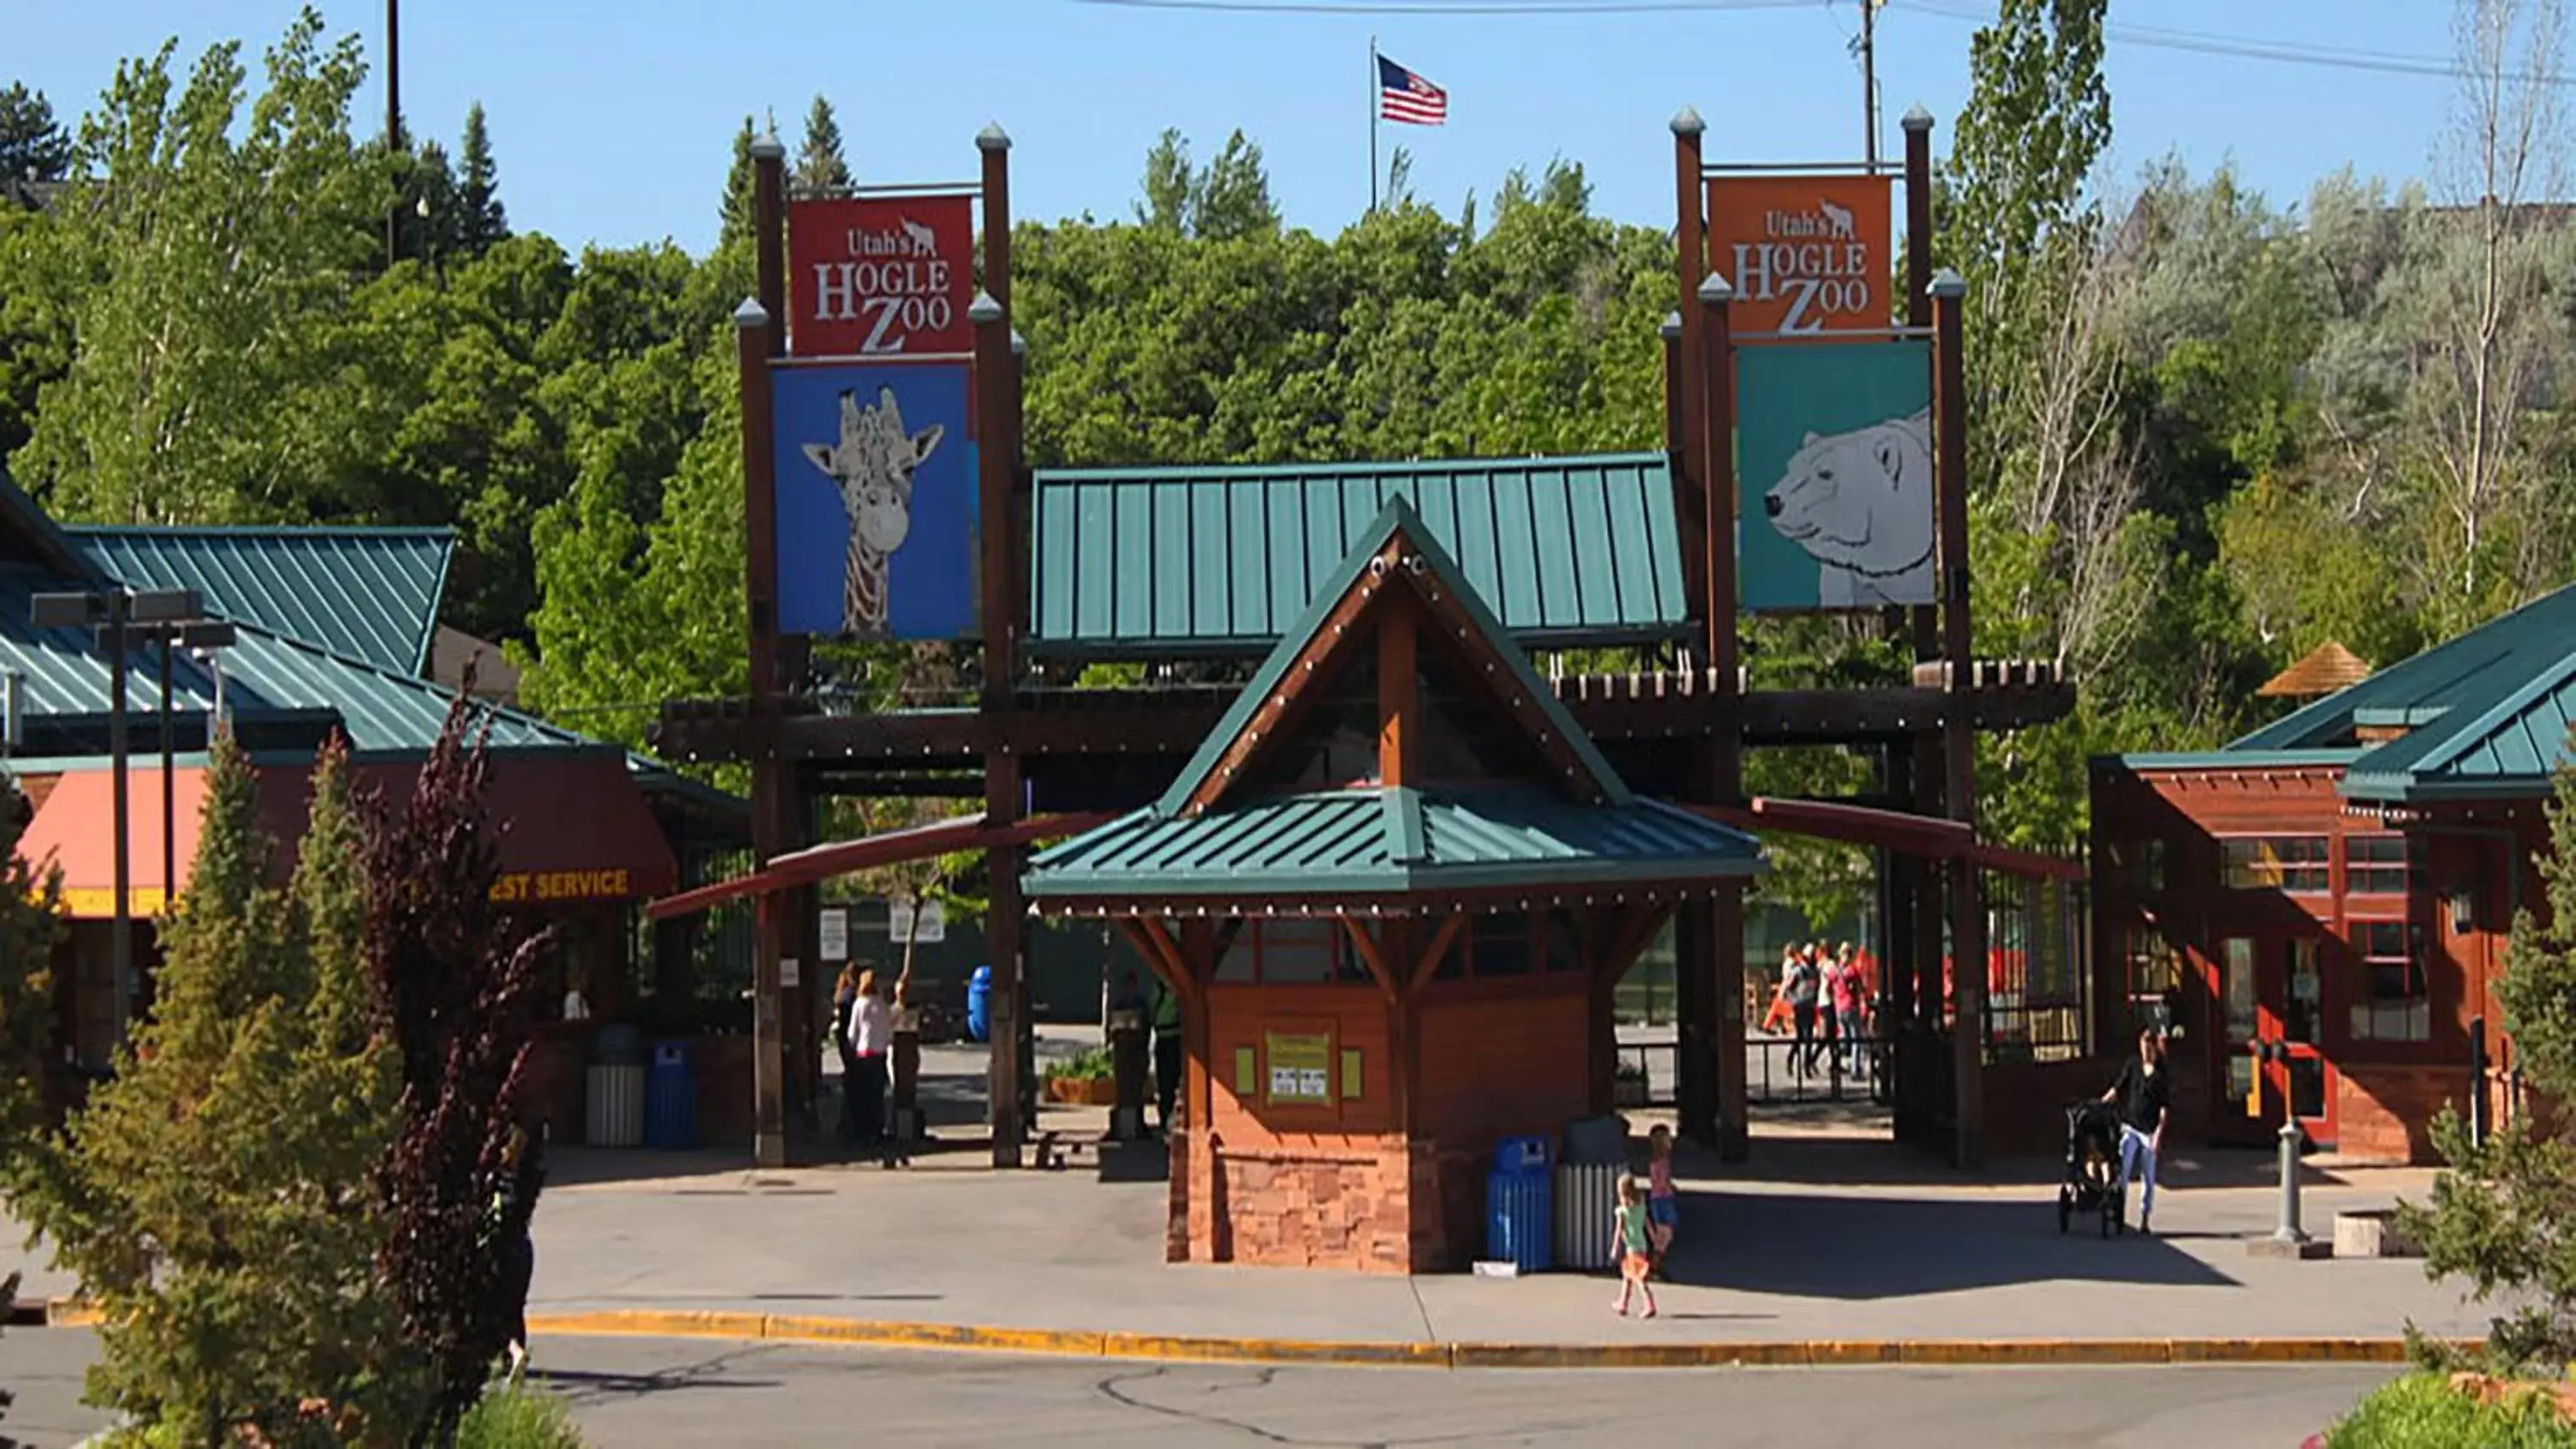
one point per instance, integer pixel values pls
(880, 276)
(1806, 255)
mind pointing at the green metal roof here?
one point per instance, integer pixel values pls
(1164, 561)
(2235, 759)
(1395, 516)
(2517, 647)
(2509, 747)
(368, 594)
(1390, 841)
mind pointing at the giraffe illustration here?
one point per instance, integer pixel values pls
(872, 466)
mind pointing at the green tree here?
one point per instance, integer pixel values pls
(1233, 194)
(30, 922)
(819, 169)
(2503, 1216)
(486, 222)
(213, 1197)
(734, 212)
(1170, 185)
(207, 382)
(32, 144)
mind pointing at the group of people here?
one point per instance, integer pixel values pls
(1824, 998)
(877, 1036)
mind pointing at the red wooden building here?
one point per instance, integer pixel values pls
(2320, 908)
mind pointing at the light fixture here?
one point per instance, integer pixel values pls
(2463, 903)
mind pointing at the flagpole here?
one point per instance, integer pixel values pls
(1374, 107)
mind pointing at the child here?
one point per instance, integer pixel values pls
(1630, 1245)
(1663, 1210)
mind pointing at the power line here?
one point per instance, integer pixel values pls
(2249, 48)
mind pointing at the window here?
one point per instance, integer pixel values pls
(1289, 952)
(2377, 865)
(1558, 947)
(2391, 1000)
(2155, 978)
(2295, 863)
(2141, 863)
(1501, 945)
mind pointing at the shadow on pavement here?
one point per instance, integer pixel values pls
(1869, 1248)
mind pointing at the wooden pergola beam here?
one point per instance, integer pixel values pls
(791, 869)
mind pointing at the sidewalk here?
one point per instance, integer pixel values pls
(1764, 1259)
(1821, 1240)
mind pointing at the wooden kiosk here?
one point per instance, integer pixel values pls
(1393, 890)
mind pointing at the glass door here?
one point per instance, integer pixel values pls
(2294, 996)
(2243, 1105)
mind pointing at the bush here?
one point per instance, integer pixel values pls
(2423, 1411)
(1090, 1066)
(518, 1417)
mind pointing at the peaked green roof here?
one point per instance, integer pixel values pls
(1155, 562)
(1388, 841)
(1395, 516)
(2485, 714)
(368, 594)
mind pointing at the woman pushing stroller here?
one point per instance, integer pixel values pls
(2144, 1102)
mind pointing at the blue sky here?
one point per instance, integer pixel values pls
(612, 121)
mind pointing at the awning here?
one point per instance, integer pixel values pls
(574, 829)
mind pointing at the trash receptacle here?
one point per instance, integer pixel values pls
(671, 1108)
(1518, 1217)
(979, 1005)
(613, 1089)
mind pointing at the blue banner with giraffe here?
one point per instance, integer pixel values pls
(877, 508)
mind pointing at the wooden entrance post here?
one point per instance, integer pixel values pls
(1918, 964)
(1958, 733)
(755, 337)
(1725, 999)
(997, 464)
(1695, 1085)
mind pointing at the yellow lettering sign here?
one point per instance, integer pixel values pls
(540, 887)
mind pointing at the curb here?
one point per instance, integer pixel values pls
(1177, 1348)
(1792, 1353)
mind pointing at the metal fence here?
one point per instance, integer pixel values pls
(2039, 976)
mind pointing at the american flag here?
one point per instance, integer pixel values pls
(1404, 96)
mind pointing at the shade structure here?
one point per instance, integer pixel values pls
(573, 828)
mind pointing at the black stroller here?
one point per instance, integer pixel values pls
(2092, 1167)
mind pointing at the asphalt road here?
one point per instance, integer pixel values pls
(647, 1393)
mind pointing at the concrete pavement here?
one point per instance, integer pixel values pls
(648, 1394)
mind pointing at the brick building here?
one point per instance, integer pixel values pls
(1393, 889)
(2320, 908)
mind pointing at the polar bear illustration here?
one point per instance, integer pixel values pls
(1838, 220)
(1861, 503)
(872, 467)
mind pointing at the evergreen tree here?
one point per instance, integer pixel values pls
(213, 1198)
(734, 216)
(30, 907)
(2504, 1216)
(1233, 198)
(820, 169)
(1169, 185)
(455, 979)
(32, 144)
(481, 218)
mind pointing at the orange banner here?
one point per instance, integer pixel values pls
(1807, 255)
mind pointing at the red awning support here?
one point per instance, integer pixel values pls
(840, 857)
(1924, 835)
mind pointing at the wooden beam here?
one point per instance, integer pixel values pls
(1153, 941)
(841, 857)
(1372, 956)
(1441, 941)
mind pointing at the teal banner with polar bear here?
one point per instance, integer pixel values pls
(1834, 474)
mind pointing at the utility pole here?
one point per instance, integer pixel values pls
(393, 121)
(1867, 49)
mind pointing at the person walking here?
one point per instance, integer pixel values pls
(523, 1163)
(1633, 1246)
(871, 1035)
(1843, 984)
(2145, 1102)
(1663, 1209)
(845, 996)
(1804, 986)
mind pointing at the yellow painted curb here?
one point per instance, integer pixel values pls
(1180, 1348)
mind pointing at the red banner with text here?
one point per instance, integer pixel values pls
(880, 276)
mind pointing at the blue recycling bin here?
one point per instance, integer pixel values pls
(671, 1099)
(979, 1005)
(1520, 1205)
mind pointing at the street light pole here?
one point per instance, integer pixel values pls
(169, 850)
(121, 927)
